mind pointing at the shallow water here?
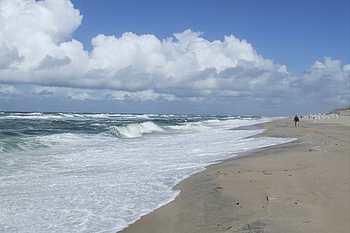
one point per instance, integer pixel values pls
(74, 172)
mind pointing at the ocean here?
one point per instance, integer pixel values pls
(89, 172)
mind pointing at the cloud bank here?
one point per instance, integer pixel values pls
(37, 48)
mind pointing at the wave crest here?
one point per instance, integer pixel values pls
(135, 130)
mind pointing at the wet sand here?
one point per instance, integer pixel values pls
(302, 186)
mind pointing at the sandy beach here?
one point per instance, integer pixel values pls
(302, 186)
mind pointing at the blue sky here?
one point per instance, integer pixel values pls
(263, 57)
(294, 33)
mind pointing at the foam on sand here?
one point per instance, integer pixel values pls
(302, 186)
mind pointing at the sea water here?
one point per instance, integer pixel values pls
(75, 172)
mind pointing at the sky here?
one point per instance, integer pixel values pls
(251, 57)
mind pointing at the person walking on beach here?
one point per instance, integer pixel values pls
(296, 120)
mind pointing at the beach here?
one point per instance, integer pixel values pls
(301, 186)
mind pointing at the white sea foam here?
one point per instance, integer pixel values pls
(79, 182)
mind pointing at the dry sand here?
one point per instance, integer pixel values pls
(301, 186)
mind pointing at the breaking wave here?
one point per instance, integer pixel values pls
(135, 130)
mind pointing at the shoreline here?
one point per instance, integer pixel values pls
(300, 186)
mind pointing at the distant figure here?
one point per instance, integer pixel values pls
(296, 120)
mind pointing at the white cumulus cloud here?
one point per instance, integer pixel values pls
(36, 47)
